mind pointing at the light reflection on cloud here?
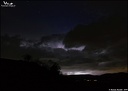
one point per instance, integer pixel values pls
(77, 48)
(61, 45)
(51, 44)
(57, 44)
(26, 44)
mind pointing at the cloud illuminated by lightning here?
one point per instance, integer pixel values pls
(59, 44)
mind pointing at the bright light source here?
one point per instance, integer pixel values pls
(95, 80)
(78, 73)
(81, 73)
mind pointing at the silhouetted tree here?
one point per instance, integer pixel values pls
(27, 57)
(55, 68)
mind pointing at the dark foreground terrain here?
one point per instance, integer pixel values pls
(30, 76)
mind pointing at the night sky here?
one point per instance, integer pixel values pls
(35, 19)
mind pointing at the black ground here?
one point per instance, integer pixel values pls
(30, 76)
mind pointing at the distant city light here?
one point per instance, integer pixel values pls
(78, 73)
(81, 73)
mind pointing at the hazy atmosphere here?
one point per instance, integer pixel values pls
(83, 37)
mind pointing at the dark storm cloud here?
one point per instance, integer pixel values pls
(99, 34)
(75, 60)
(95, 64)
(106, 45)
(106, 61)
(113, 57)
(37, 18)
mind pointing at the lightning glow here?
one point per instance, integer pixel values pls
(61, 45)
(77, 72)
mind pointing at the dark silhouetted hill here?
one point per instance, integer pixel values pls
(18, 75)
